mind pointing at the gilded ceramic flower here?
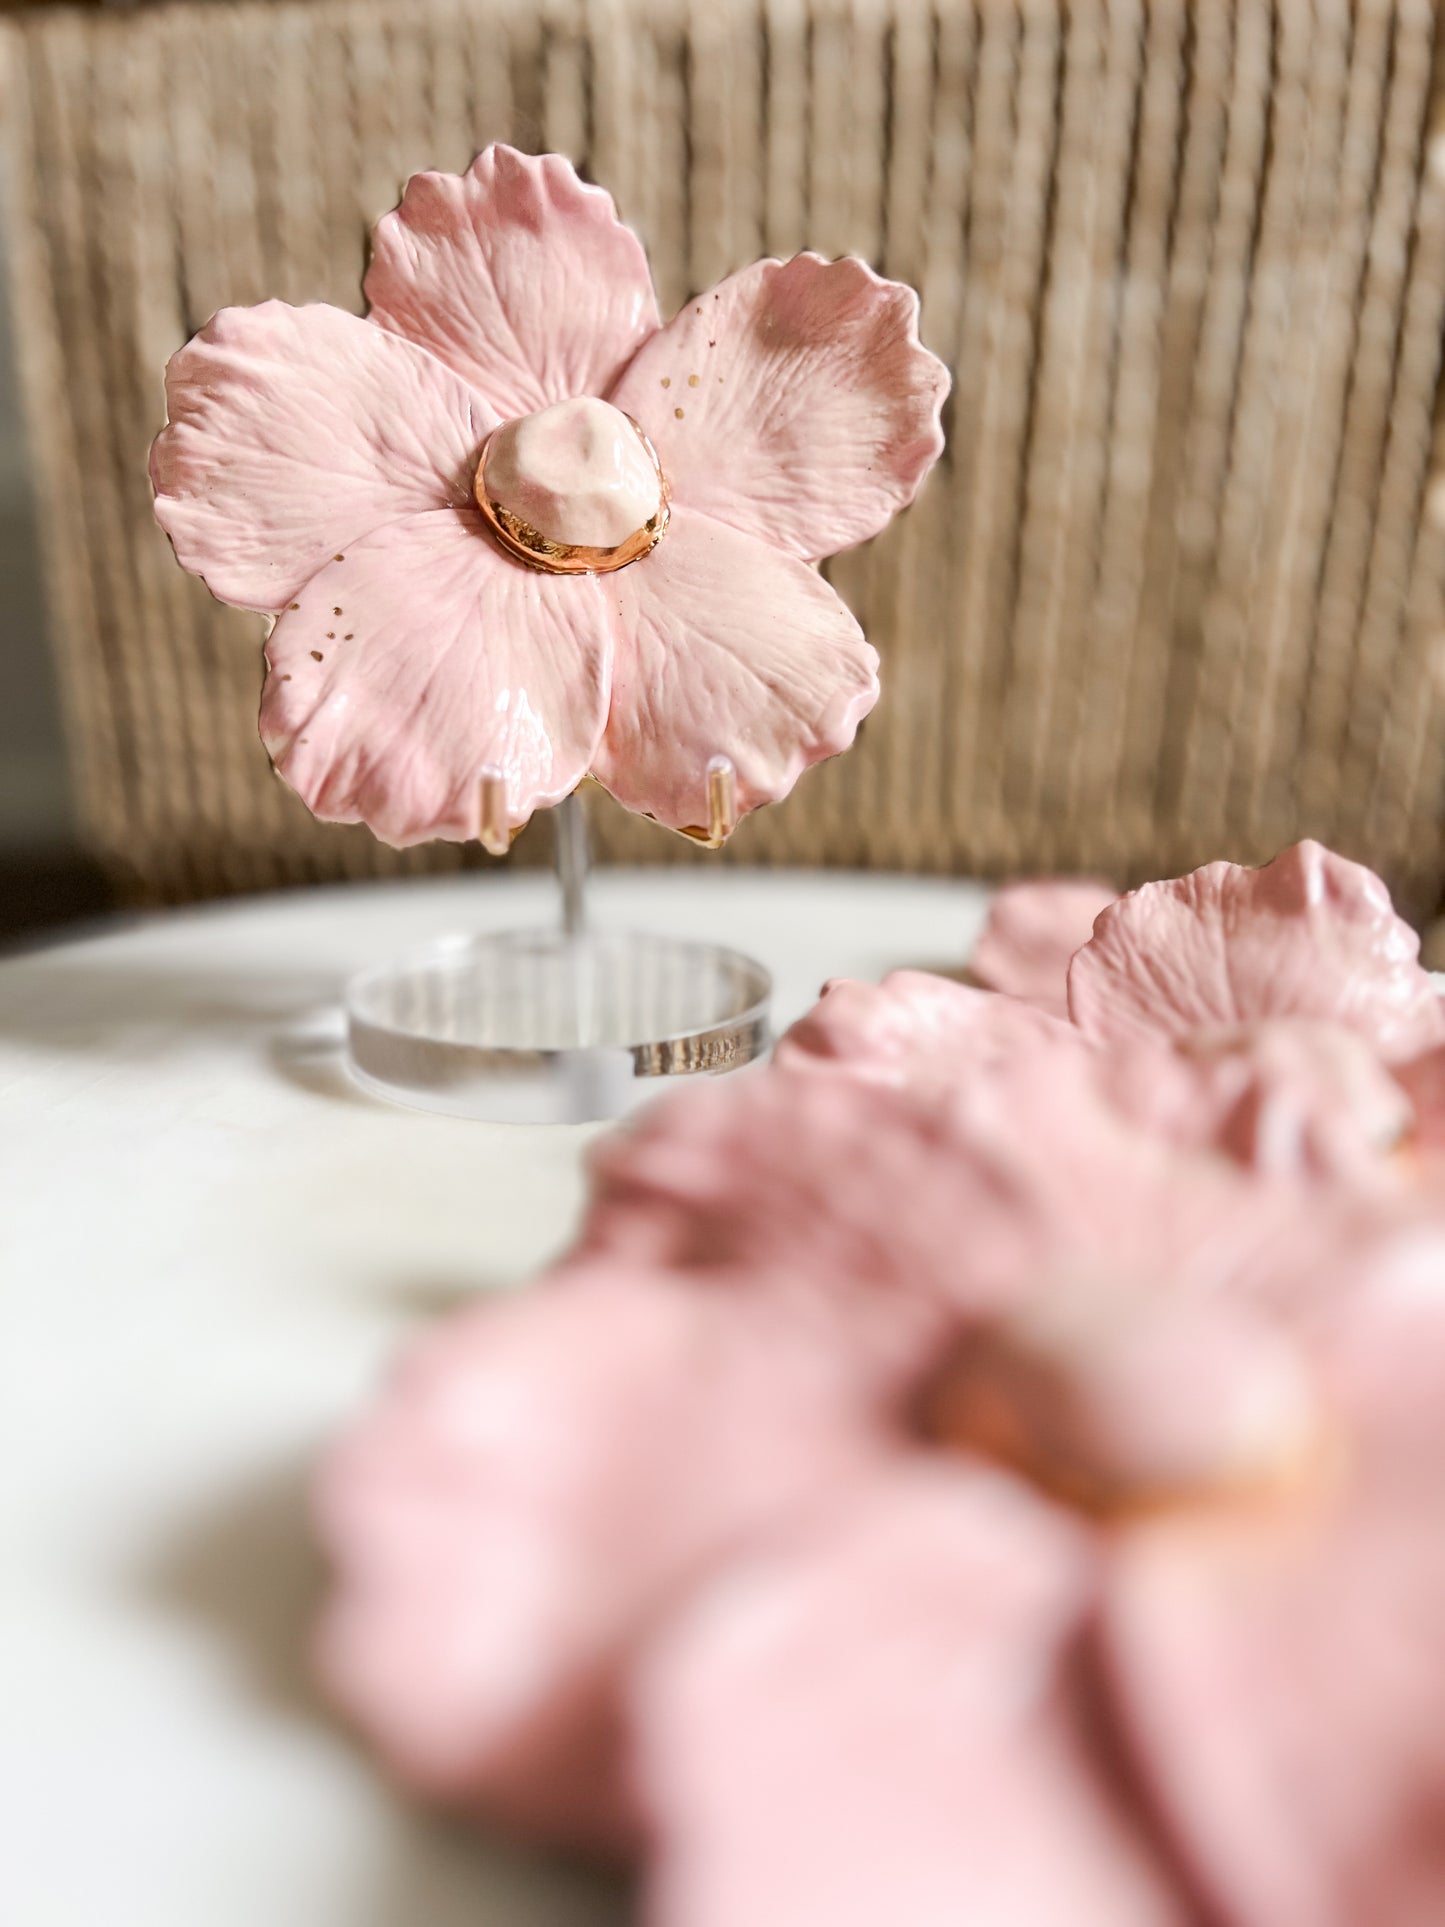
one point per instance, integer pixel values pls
(769, 1271)
(904, 1510)
(1310, 935)
(970, 1694)
(1278, 1014)
(376, 484)
(940, 1485)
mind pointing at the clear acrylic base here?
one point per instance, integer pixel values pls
(543, 1027)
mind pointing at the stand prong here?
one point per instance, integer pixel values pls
(493, 827)
(722, 800)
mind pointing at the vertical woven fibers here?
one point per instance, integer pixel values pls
(1177, 589)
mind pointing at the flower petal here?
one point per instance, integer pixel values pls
(885, 1721)
(418, 657)
(1032, 931)
(726, 647)
(1279, 1668)
(1289, 1096)
(923, 1216)
(794, 401)
(1310, 935)
(917, 1032)
(536, 1483)
(295, 431)
(516, 275)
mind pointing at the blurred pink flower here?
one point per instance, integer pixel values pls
(770, 1274)
(976, 1469)
(1310, 935)
(1032, 931)
(954, 1697)
(1279, 1015)
(322, 468)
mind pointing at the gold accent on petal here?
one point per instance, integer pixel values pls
(540, 552)
(494, 830)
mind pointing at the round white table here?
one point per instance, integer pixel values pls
(210, 1242)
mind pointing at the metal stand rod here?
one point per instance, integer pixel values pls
(572, 861)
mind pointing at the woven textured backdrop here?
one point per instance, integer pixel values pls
(1174, 592)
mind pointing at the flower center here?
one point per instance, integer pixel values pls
(1122, 1402)
(574, 489)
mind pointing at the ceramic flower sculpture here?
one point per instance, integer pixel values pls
(512, 530)
(964, 1472)
(1281, 1014)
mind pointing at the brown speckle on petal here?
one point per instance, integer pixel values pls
(667, 381)
(349, 634)
(336, 612)
(338, 558)
(295, 605)
(678, 413)
(692, 379)
(316, 656)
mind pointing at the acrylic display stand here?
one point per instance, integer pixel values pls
(557, 1026)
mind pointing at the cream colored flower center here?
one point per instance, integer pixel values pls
(574, 489)
(1118, 1402)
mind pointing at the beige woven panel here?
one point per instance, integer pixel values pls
(1173, 592)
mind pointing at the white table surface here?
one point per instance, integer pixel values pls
(210, 1243)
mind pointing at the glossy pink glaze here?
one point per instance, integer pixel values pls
(298, 437)
(769, 1277)
(876, 1721)
(517, 275)
(1291, 1096)
(917, 1032)
(538, 1479)
(369, 682)
(294, 432)
(1032, 931)
(1277, 1673)
(916, 1213)
(972, 1468)
(726, 646)
(793, 402)
(1309, 935)
(956, 1694)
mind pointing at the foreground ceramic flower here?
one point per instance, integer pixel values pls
(820, 1526)
(511, 528)
(961, 1698)
(978, 1469)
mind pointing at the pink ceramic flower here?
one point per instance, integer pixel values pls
(374, 485)
(1289, 1095)
(1309, 935)
(1032, 931)
(1277, 1014)
(770, 1273)
(964, 1697)
(895, 1505)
